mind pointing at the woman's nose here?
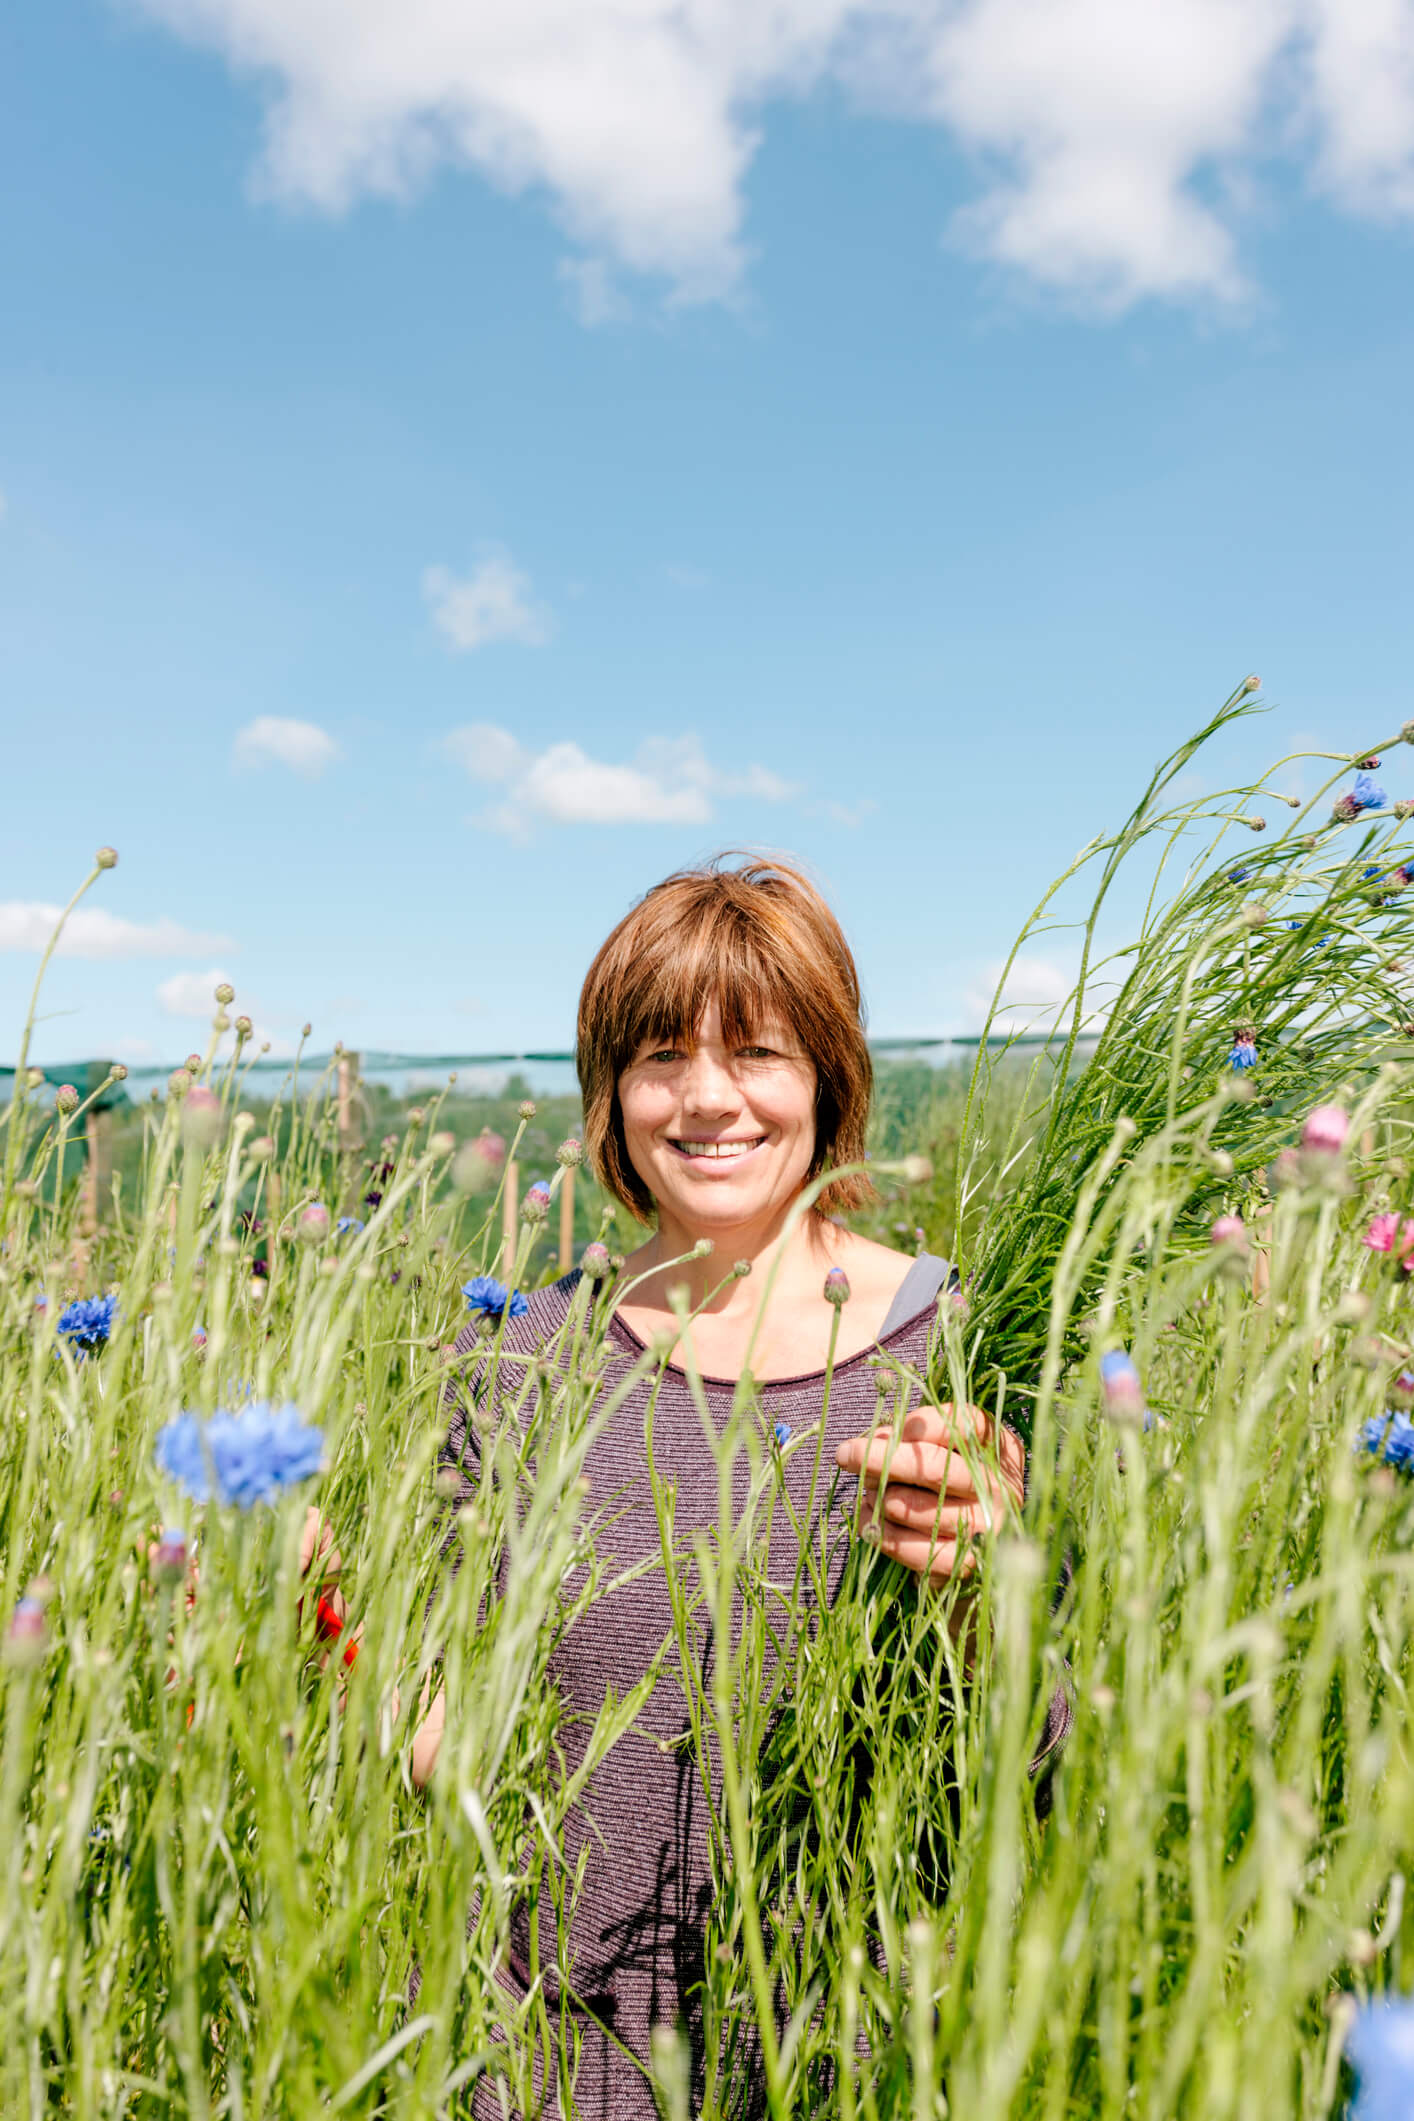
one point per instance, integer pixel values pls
(710, 1086)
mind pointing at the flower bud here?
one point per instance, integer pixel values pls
(27, 1637)
(202, 1117)
(917, 1170)
(527, 1108)
(220, 1022)
(442, 1142)
(170, 1561)
(313, 1223)
(740, 1269)
(66, 1098)
(1252, 683)
(244, 1027)
(305, 1030)
(1254, 916)
(836, 1290)
(262, 1147)
(225, 992)
(703, 1249)
(536, 1205)
(34, 1077)
(416, 1115)
(594, 1261)
(1229, 1230)
(1120, 1388)
(570, 1153)
(106, 858)
(118, 1072)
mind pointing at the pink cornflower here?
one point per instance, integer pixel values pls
(1325, 1129)
(1382, 1233)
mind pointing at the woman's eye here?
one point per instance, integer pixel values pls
(757, 1053)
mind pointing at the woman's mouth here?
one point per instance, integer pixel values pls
(716, 1152)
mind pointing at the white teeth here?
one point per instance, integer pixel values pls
(718, 1150)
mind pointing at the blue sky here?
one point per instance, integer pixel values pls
(446, 487)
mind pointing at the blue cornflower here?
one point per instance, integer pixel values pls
(1367, 793)
(1390, 1437)
(489, 1297)
(1238, 876)
(1380, 2043)
(781, 1432)
(1243, 1055)
(250, 1456)
(346, 1223)
(87, 1322)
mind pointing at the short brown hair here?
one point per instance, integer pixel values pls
(755, 936)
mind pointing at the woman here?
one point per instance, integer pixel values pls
(724, 1068)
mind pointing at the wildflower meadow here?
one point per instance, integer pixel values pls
(1185, 1240)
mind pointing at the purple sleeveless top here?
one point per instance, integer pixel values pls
(638, 1929)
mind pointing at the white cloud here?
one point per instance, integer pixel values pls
(304, 746)
(193, 993)
(670, 782)
(27, 924)
(1036, 988)
(492, 603)
(1115, 135)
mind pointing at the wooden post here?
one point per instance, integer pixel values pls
(567, 1221)
(98, 1176)
(510, 1219)
(347, 1100)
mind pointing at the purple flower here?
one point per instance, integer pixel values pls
(488, 1297)
(248, 1457)
(1380, 2043)
(87, 1322)
(1390, 1437)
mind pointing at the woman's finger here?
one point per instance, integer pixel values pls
(937, 1558)
(916, 1464)
(918, 1509)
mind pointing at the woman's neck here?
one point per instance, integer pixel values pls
(787, 1251)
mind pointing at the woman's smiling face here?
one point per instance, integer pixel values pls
(722, 1135)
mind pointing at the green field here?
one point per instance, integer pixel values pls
(219, 1874)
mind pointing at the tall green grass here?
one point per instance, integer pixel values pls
(219, 1874)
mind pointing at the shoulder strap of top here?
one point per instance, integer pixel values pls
(918, 1291)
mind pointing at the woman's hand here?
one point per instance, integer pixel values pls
(934, 1504)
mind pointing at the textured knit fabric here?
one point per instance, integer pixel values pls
(637, 1941)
